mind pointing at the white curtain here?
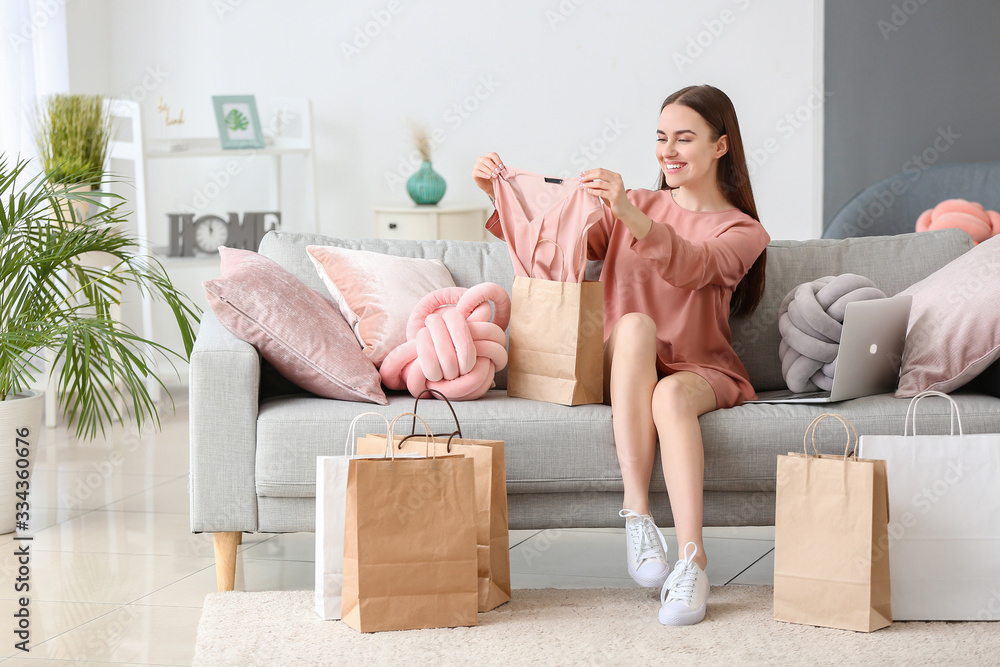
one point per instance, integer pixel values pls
(35, 63)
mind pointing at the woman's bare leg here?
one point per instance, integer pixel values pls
(630, 377)
(678, 400)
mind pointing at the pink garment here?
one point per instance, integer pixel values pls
(682, 274)
(534, 210)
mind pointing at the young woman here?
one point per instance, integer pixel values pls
(678, 261)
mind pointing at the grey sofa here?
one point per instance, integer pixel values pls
(254, 438)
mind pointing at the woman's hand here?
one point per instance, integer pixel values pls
(486, 169)
(609, 187)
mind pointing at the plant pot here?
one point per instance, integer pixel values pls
(80, 207)
(426, 186)
(20, 428)
(91, 259)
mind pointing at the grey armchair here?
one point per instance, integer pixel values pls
(892, 206)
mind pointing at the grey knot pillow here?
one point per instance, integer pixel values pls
(810, 319)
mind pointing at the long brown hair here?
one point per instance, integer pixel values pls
(733, 178)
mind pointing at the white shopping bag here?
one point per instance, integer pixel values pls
(944, 520)
(331, 497)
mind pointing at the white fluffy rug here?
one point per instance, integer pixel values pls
(572, 627)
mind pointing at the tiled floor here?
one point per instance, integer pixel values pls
(117, 577)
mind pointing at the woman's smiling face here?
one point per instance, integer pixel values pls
(685, 147)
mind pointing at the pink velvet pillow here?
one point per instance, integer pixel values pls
(295, 328)
(954, 331)
(376, 292)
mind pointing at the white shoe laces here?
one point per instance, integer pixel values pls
(646, 540)
(682, 581)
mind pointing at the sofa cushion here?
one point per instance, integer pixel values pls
(954, 329)
(376, 293)
(557, 449)
(893, 263)
(469, 262)
(293, 327)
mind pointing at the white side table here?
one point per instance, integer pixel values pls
(456, 223)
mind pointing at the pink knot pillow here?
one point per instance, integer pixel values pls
(455, 343)
(968, 216)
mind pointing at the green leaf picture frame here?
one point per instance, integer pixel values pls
(239, 125)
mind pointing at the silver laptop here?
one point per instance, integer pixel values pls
(870, 354)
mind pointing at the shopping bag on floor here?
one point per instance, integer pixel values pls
(410, 542)
(331, 498)
(944, 537)
(831, 567)
(556, 346)
(492, 536)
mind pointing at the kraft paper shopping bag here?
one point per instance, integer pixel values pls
(944, 500)
(556, 348)
(410, 543)
(831, 515)
(331, 500)
(492, 535)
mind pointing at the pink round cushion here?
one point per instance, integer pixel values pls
(970, 217)
(455, 343)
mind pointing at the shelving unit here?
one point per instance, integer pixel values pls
(288, 129)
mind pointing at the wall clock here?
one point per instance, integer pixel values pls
(210, 232)
(190, 236)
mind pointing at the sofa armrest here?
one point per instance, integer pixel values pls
(224, 386)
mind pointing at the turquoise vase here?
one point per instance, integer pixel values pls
(426, 186)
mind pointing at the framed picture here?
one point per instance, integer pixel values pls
(239, 126)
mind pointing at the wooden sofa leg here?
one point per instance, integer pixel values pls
(225, 559)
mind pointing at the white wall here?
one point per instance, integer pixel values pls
(535, 81)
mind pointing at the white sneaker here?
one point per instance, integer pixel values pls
(688, 597)
(645, 549)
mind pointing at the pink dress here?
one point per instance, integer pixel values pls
(534, 209)
(682, 274)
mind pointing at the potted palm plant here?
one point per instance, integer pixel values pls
(50, 300)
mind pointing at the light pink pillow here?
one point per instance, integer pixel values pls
(376, 292)
(302, 334)
(954, 330)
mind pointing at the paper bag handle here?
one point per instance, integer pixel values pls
(912, 407)
(413, 427)
(843, 420)
(428, 452)
(562, 255)
(351, 451)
